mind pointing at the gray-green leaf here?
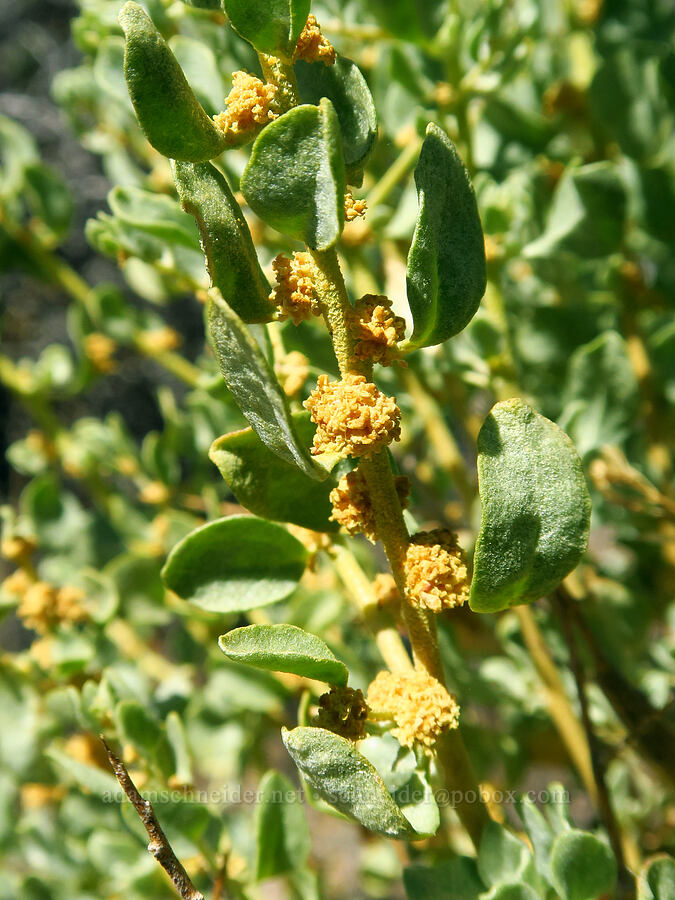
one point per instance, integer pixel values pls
(255, 387)
(267, 485)
(452, 879)
(283, 836)
(284, 648)
(231, 259)
(582, 866)
(272, 26)
(535, 508)
(446, 274)
(172, 118)
(339, 774)
(295, 178)
(235, 564)
(346, 88)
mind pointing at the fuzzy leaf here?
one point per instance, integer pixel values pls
(446, 264)
(535, 508)
(283, 836)
(539, 832)
(582, 866)
(284, 648)
(255, 387)
(235, 564)
(295, 178)
(172, 118)
(502, 857)
(267, 485)
(345, 779)
(453, 879)
(346, 88)
(231, 259)
(154, 213)
(661, 877)
(272, 26)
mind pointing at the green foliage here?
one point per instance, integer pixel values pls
(284, 648)
(295, 177)
(171, 116)
(446, 263)
(582, 867)
(535, 508)
(283, 836)
(263, 564)
(272, 26)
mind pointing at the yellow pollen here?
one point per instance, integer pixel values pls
(312, 46)
(249, 105)
(437, 576)
(376, 329)
(419, 705)
(352, 416)
(354, 208)
(295, 295)
(352, 508)
(292, 369)
(100, 350)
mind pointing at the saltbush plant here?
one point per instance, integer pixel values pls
(433, 280)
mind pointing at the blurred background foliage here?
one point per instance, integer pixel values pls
(563, 111)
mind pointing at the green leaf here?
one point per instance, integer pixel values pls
(17, 150)
(446, 274)
(601, 394)
(144, 733)
(272, 26)
(153, 213)
(295, 178)
(255, 387)
(178, 742)
(49, 198)
(199, 65)
(661, 878)
(502, 857)
(535, 508)
(582, 866)
(346, 88)
(283, 840)
(172, 118)
(226, 240)
(267, 485)
(235, 564)
(89, 778)
(345, 779)
(519, 891)
(587, 214)
(539, 833)
(453, 879)
(284, 648)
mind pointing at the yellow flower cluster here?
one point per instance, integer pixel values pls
(385, 591)
(352, 508)
(100, 351)
(43, 606)
(344, 711)
(436, 571)
(249, 105)
(376, 329)
(312, 46)
(419, 705)
(352, 416)
(354, 208)
(295, 295)
(292, 370)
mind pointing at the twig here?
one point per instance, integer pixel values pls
(159, 846)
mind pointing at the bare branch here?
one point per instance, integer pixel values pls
(159, 846)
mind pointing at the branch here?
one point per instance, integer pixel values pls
(159, 846)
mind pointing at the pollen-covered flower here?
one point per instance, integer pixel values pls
(352, 416)
(294, 294)
(352, 508)
(354, 208)
(292, 370)
(421, 707)
(344, 711)
(376, 329)
(249, 105)
(43, 606)
(436, 570)
(100, 351)
(312, 46)
(386, 591)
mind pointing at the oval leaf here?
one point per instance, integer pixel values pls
(283, 835)
(346, 88)
(295, 178)
(582, 866)
(226, 240)
(255, 387)
(446, 274)
(284, 648)
(272, 26)
(270, 487)
(343, 777)
(235, 564)
(172, 118)
(535, 508)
